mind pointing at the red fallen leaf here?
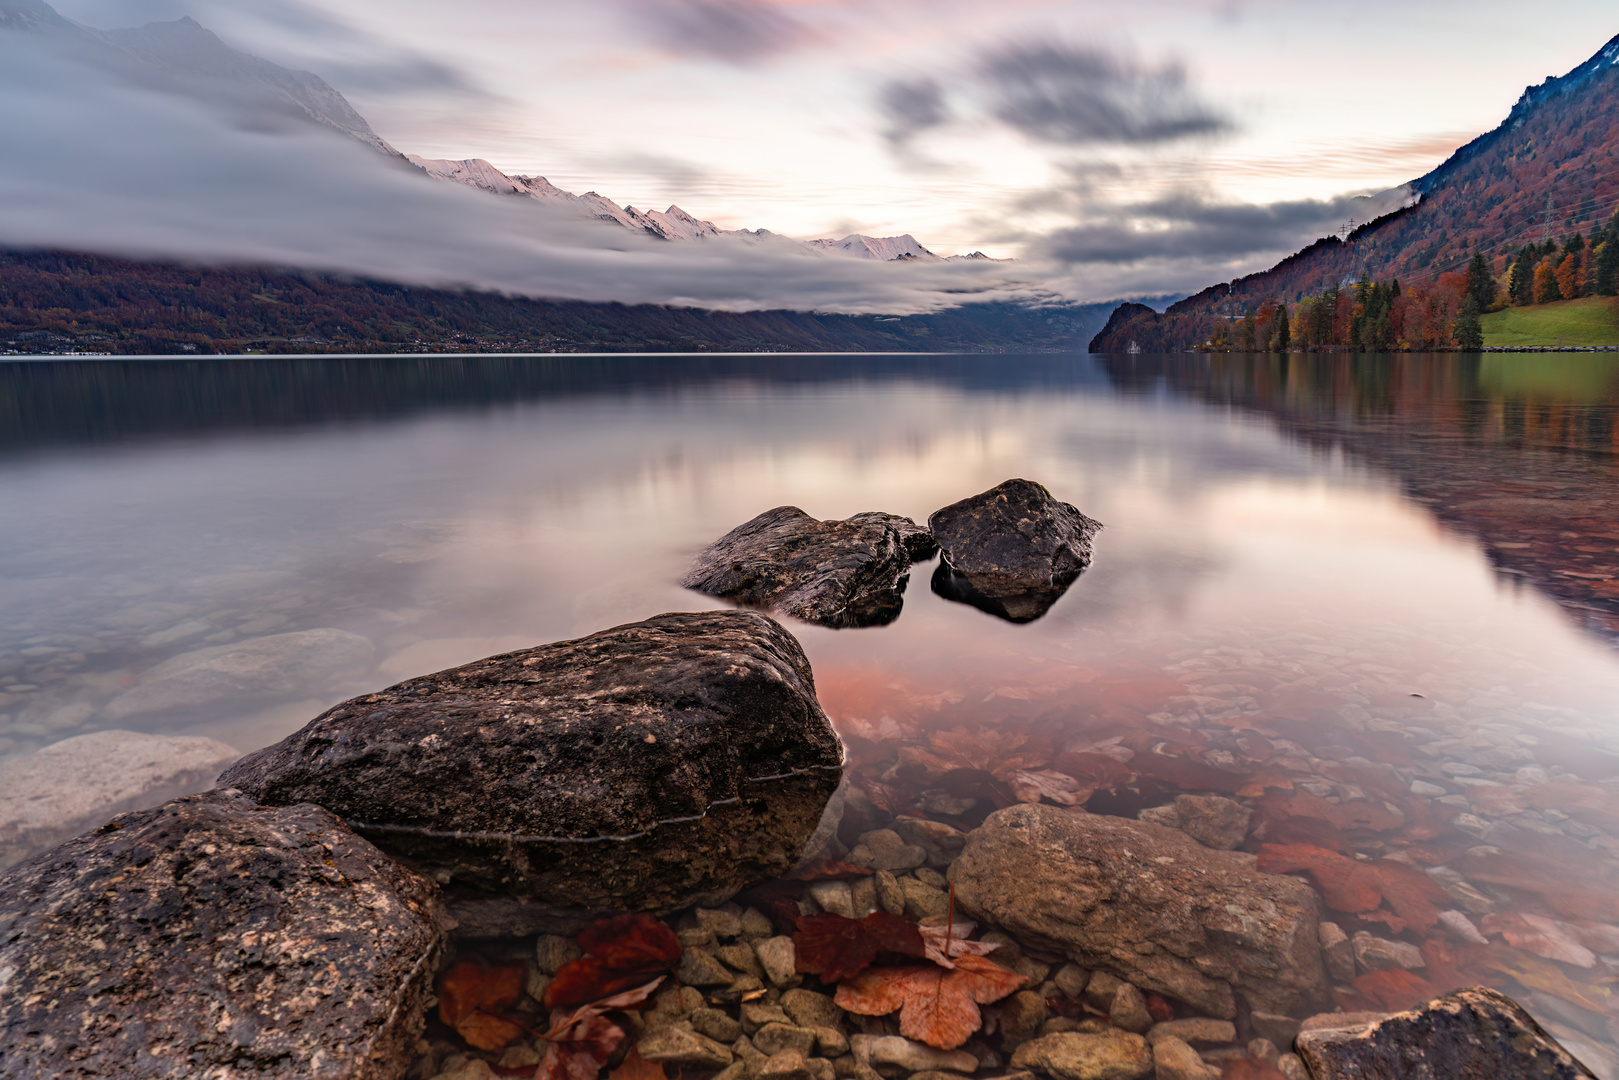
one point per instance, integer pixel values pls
(1417, 897)
(636, 1067)
(1303, 830)
(835, 948)
(1395, 990)
(937, 1007)
(621, 952)
(829, 870)
(1349, 814)
(945, 943)
(469, 996)
(1159, 1008)
(595, 1041)
(1346, 884)
(1095, 770)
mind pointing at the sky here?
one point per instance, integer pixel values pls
(1111, 149)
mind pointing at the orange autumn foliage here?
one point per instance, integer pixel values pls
(471, 995)
(935, 1006)
(1349, 885)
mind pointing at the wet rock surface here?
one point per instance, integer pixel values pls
(78, 783)
(639, 768)
(1147, 904)
(244, 672)
(1475, 1032)
(833, 573)
(1011, 551)
(214, 937)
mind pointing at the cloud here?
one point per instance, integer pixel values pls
(735, 31)
(1070, 95)
(912, 106)
(95, 164)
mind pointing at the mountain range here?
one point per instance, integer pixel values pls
(185, 58)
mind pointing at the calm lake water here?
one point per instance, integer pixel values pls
(1388, 584)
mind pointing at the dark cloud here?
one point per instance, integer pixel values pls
(736, 31)
(1071, 95)
(912, 106)
(1189, 226)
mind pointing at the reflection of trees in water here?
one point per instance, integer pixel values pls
(1521, 452)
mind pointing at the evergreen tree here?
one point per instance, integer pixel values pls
(1607, 272)
(1574, 244)
(1469, 334)
(1282, 336)
(1521, 285)
(1248, 332)
(1481, 282)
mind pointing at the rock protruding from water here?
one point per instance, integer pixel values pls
(1011, 551)
(78, 783)
(1148, 904)
(1470, 1032)
(833, 573)
(214, 937)
(641, 768)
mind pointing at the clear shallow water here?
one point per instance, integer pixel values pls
(1330, 578)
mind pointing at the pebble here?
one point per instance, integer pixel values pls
(787, 1065)
(719, 922)
(1129, 1010)
(912, 1056)
(1380, 954)
(1195, 1029)
(810, 1009)
(923, 901)
(1100, 989)
(1337, 951)
(739, 957)
(835, 897)
(1071, 980)
(774, 1038)
(1278, 1028)
(678, 1046)
(863, 896)
(1110, 1055)
(830, 1042)
(1422, 787)
(756, 924)
(552, 951)
(1292, 1067)
(883, 849)
(716, 1024)
(1174, 1059)
(1022, 1015)
(698, 967)
(890, 897)
(756, 1014)
(779, 960)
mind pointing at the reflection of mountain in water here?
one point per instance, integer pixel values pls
(1520, 451)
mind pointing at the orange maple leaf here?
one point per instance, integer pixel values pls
(935, 1006)
(469, 997)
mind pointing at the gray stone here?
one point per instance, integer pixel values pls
(774, 1038)
(890, 897)
(717, 1025)
(942, 843)
(739, 957)
(923, 901)
(1277, 1027)
(1071, 980)
(821, 1069)
(677, 1046)
(1195, 1029)
(642, 768)
(1210, 820)
(1380, 954)
(246, 672)
(1110, 1055)
(912, 1056)
(787, 1065)
(834, 573)
(834, 897)
(884, 849)
(1022, 1015)
(1263, 1049)
(1292, 1067)
(1011, 551)
(551, 951)
(830, 1042)
(698, 967)
(1173, 1059)
(1148, 904)
(1474, 1032)
(1129, 1010)
(809, 1009)
(1336, 950)
(863, 897)
(756, 924)
(756, 1014)
(212, 936)
(76, 784)
(1099, 990)
(719, 922)
(779, 960)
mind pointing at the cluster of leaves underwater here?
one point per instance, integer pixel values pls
(1555, 900)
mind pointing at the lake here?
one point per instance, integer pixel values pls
(1376, 594)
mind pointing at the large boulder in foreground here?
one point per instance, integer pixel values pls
(215, 938)
(1474, 1032)
(642, 768)
(1148, 904)
(833, 573)
(1011, 551)
(78, 783)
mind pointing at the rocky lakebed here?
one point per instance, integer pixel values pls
(647, 852)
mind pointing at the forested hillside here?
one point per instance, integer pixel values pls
(1549, 170)
(53, 302)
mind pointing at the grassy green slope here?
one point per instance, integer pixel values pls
(1592, 320)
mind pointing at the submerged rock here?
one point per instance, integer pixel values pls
(834, 573)
(641, 768)
(1471, 1032)
(1210, 820)
(1148, 904)
(213, 937)
(1011, 551)
(246, 672)
(78, 783)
